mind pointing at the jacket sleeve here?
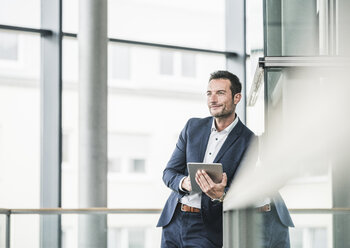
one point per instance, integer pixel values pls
(176, 168)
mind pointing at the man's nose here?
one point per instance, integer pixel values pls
(213, 98)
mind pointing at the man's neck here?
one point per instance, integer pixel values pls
(224, 122)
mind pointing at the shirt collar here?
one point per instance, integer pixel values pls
(228, 129)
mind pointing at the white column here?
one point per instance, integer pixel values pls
(93, 41)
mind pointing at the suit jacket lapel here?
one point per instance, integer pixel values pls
(231, 138)
(205, 139)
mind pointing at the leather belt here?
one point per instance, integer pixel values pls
(265, 208)
(185, 208)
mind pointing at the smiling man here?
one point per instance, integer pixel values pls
(195, 220)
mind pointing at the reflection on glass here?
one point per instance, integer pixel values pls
(309, 237)
(295, 28)
(307, 133)
(255, 49)
(313, 230)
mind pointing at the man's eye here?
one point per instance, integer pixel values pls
(208, 93)
(221, 93)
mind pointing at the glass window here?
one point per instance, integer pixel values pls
(120, 64)
(8, 46)
(313, 237)
(20, 123)
(65, 148)
(136, 237)
(302, 106)
(145, 113)
(20, 13)
(195, 23)
(166, 63)
(296, 237)
(115, 237)
(188, 65)
(114, 165)
(138, 166)
(290, 102)
(3, 229)
(296, 28)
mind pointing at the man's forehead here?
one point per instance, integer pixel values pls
(219, 84)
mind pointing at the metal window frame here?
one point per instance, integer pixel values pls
(235, 20)
(51, 120)
(317, 61)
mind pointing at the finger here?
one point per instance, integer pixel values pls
(208, 179)
(199, 176)
(202, 182)
(199, 182)
(224, 179)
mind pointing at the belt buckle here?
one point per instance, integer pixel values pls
(182, 207)
(265, 208)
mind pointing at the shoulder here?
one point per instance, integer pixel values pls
(245, 133)
(244, 129)
(198, 122)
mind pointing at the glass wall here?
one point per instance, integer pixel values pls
(296, 28)
(146, 112)
(255, 50)
(302, 95)
(20, 126)
(152, 92)
(305, 98)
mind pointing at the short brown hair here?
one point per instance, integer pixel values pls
(236, 86)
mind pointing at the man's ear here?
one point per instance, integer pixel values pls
(236, 98)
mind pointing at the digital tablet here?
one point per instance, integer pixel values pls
(214, 170)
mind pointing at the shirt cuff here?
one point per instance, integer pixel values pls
(181, 184)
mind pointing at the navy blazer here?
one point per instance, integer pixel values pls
(191, 147)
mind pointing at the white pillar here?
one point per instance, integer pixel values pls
(93, 41)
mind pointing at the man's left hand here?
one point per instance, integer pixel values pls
(211, 189)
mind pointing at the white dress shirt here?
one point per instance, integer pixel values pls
(215, 142)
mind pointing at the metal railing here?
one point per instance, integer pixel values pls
(48, 211)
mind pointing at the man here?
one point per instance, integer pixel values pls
(196, 220)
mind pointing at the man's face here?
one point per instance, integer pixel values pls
(219, 96)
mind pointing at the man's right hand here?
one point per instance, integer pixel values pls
(186, 184)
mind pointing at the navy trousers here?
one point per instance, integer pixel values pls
(274, 233)
(186, 230)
